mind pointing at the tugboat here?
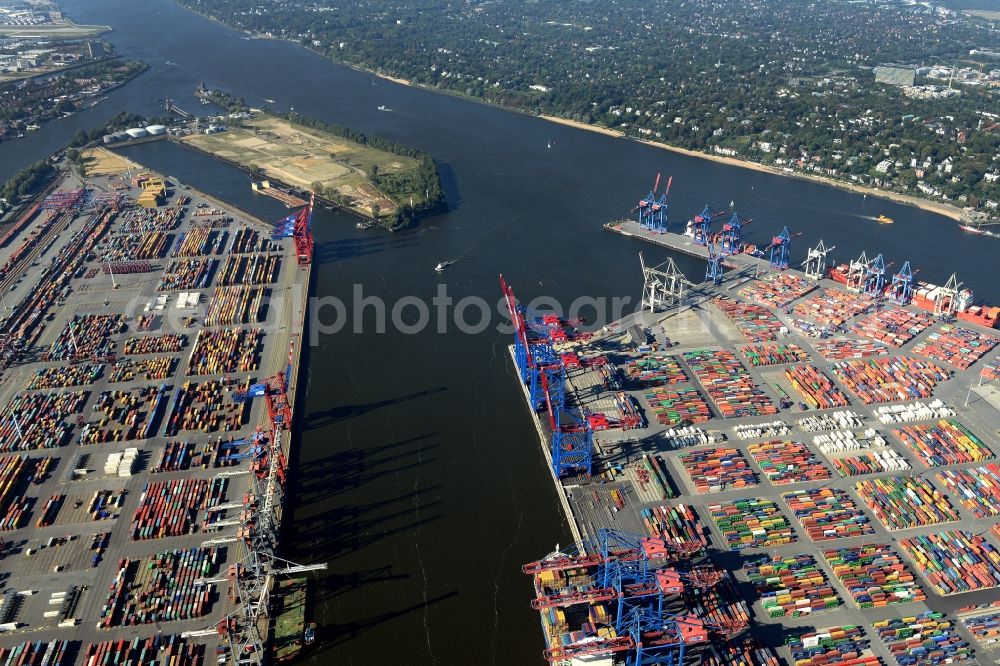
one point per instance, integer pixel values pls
(309, 635)
(884, 219)
(443, 265)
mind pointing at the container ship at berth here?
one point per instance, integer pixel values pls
(925, 297)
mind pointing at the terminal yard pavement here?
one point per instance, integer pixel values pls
(79, 473)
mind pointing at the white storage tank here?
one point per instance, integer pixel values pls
(156, 130)
(136, 132)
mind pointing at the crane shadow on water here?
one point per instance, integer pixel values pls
(329, 537)
(345, 471)
(350, 248)
(347, 631)
(344, 512)
(326, 417)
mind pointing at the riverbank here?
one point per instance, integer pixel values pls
(947, 210)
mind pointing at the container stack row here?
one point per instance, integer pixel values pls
(756, 323)
(684, 436)
(678, 524)
(751, 523)
(870, 462)
(673, 406)
(232, 306)
(131, 247)
(187, 274)
(249, 240)
(743, 650)
(983, 622)
(161, 588)
(946, 442)
(126, 415)
(728, 383)
(170, 508)
(653, 471)
(52, 653)
(925, 639)
(205, 406)
(86, 337)
(777, 290)
(815, 387)
(790, 586)
(140, 220)
(977, 488)
(827, 513)
(773, 354)
(784, 462)
(175, 457)
(895, 326)
(878, 380)
(37, 420)
(224, 351)
(832, 307)
(60, 376)
(913, 411)
(170, 650)
(717, 469)
(847, 348)
(722, 604)
(154, 344)
(255, 269)
(959, 346)
(844, 646)
(905, 502)
(156, 368)
(758, 430)
(655, 369)
(200, 241)
(874, 575)
(955, 561)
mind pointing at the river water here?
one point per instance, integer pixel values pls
(417, 471)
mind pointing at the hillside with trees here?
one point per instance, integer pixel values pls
(780, 82)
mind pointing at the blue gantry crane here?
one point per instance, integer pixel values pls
(780, 248)
(631, 571)
(902, 285)
(658, 213)
(714, 268)
(701, 225)
(732, 234)
(875, 276)
(298, 227)
(531, 353)
(254, 443)
(543, 371)
(645, 205)
(653, 210)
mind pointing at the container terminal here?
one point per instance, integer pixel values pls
(150, 349)
(780, 464)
